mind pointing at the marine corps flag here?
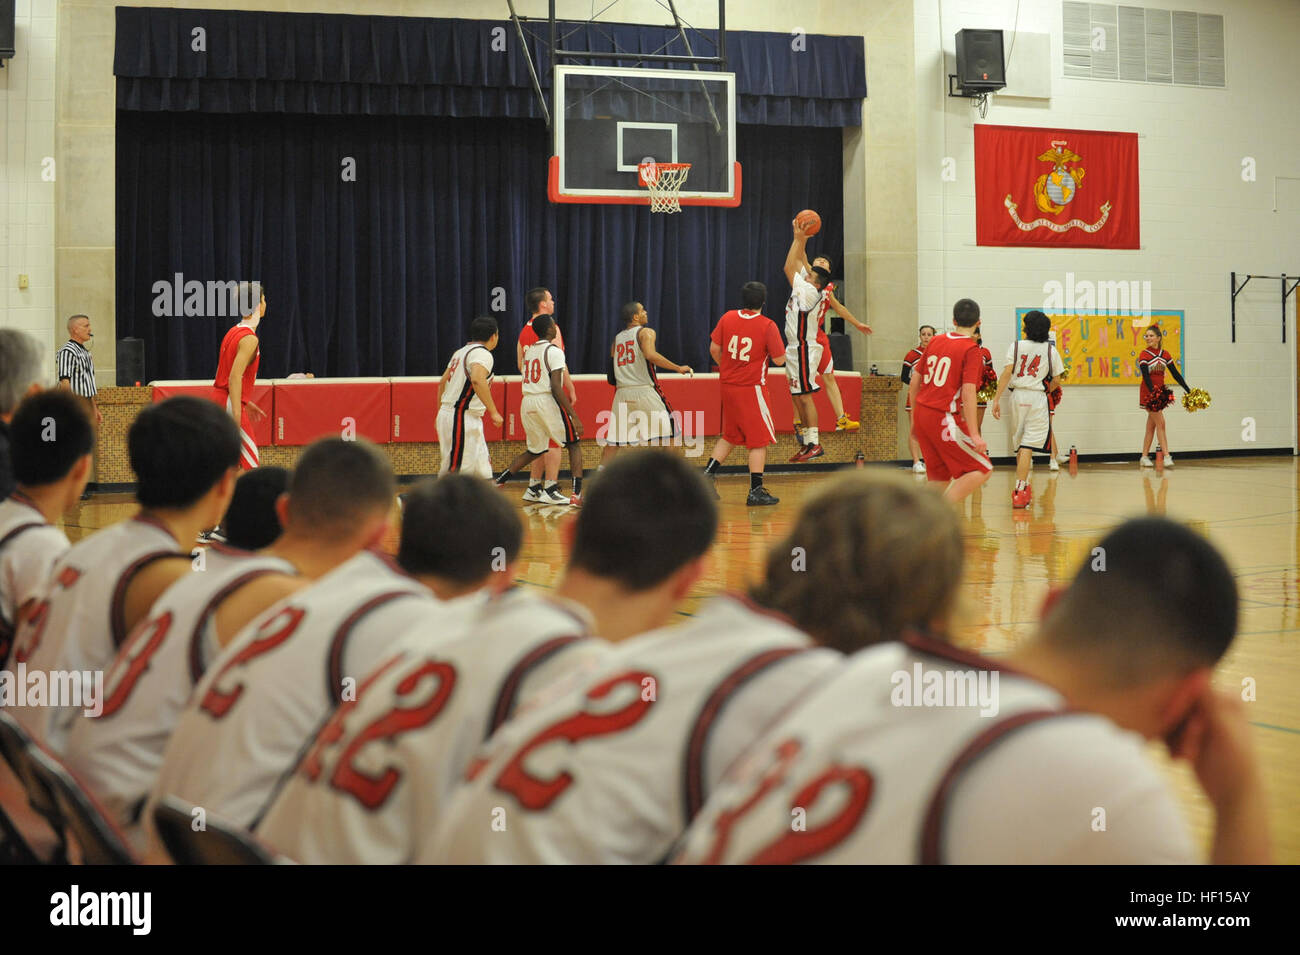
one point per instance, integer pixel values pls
(1075, 188)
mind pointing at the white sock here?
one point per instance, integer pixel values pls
(810, 435)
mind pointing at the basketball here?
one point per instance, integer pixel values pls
(810, 220)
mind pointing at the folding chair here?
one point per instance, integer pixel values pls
(216, 844)
(101, 842)
(16, 746)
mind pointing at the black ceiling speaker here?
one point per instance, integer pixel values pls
(6, 30)
(980, 65)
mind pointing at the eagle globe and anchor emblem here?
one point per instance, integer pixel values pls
(1055, 190)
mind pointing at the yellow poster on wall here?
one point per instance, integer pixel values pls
(1102, 348)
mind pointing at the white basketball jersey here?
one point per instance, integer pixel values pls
(459, 393)
(78, 624)
(914, 754)
(630, 366)
(118, 753)
(614, 769)
(29, 546)
(802, 311)
(372, 787)
(1034, 362)
(540, 359)
(280, 678)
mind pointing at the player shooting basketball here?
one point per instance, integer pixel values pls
(803, 352)
(826, 368)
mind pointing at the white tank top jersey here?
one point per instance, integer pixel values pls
(78, 623)
(615, 768)
(1034, 363)
(540, 359)
(459, 393)
(119, 752)
(885, 778)
(29, 546)
(280, 678)
(377, 779)
(631, 369)
(801, 311)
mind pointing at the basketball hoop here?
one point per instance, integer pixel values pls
(664, 180)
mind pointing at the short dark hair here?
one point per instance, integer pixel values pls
(452, 527)
(643, 517)
(49, 433)
(542, 325)
(628, 313)
(1037, 326)
(251, 522)
(965, 313)
(933, 330)
(1153, 599)
(822, 276)
(908, 536)
(482, 328)
(337, 484)
(179, 449)
(247, 296)
(753, 295)
(830, 263)
(535, 297)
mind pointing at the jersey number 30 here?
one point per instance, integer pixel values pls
(937, 369)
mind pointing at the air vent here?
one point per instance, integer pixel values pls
(1103, 41)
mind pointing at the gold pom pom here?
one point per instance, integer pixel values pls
(1196, 399)
(986, 393)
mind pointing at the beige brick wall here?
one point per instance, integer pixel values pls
(878, 414)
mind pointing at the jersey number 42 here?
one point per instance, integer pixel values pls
(739, 348)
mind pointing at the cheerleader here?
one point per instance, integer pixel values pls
(909, 362)
(988, 377)
(1154, 396)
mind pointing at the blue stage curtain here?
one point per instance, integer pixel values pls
(447, 218)
(324, 64)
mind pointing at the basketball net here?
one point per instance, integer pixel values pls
(664, 180)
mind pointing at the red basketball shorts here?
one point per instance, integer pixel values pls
(948, 450)
(745, 418)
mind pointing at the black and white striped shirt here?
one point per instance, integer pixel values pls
(75, 364)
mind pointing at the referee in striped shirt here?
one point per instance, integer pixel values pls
(76, 366)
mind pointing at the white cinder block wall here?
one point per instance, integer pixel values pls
(27, 200)
(1200, 220)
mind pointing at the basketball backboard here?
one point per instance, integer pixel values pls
(607, 120)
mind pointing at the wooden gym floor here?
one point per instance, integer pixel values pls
(1246, 506)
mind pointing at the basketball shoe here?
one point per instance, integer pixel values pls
(845, 423)
(759, 497)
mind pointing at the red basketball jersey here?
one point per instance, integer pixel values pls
(529, 337)
(229, 348)
(748, 340)
(950, 361)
